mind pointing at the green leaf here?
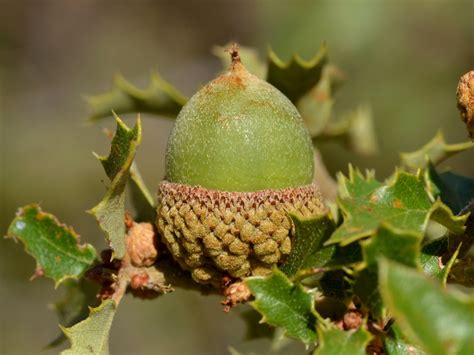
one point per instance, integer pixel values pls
(249, 57)
(296, 77)
(311, 233)
(355, 130)
(110, 212)
(404, 203)
(396, 344)
(401, 246)
(141, 197)
(316, 105)
(335, 256)
(91, 336)
(54, 246)
(434, 253)
(456, 191)
(284, 304)
(449, 265)
(441, 322)
(394, 244)
(430, 257)
(334, 341)
(357, 184)
(74, 305)
(159, 98)
(435, 151)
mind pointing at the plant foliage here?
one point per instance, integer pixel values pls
(367, 277)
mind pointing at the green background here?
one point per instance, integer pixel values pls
(403, 57)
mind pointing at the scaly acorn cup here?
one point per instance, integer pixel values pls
(239, 159)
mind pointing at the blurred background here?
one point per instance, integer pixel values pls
(402, 57)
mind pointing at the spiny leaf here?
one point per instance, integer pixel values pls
(74, 306)
(284, 304)
(390, 243)
(311, 233)
(357, 184)
(296, 77)
(120, 147)
(435, 151)
(355, 130)
(456, 191)
(91, 336)
(110, 212)
(54, 246)
(141, 197)
(404, 203)
(334, 341)
(249, 57)
(396, 344)
(160, 98)
(441, 322)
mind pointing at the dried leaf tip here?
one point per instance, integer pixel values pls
(234, 54)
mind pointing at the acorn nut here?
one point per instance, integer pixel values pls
(238, 160)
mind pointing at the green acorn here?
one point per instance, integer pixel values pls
(239, 159)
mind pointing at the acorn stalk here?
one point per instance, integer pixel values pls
(239, 160)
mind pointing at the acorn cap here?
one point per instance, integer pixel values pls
(216, 233)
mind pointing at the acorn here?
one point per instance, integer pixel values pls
(239, 160)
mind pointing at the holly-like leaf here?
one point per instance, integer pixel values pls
(357, 184)
(54, 245)
(160, 98)
(404, 203)
(441, 322)
(311, 233)
(390, 243)
(396, 344)
(455, 191)
(110, 212)
(435, 151)
(91, 336)
(296, 77)
(141, 197)
(284, 304)
(355, 130)
(74, 305)
(249, 57)
(335, 341)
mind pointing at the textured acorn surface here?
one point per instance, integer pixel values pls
(216, 233)
(239, 133)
